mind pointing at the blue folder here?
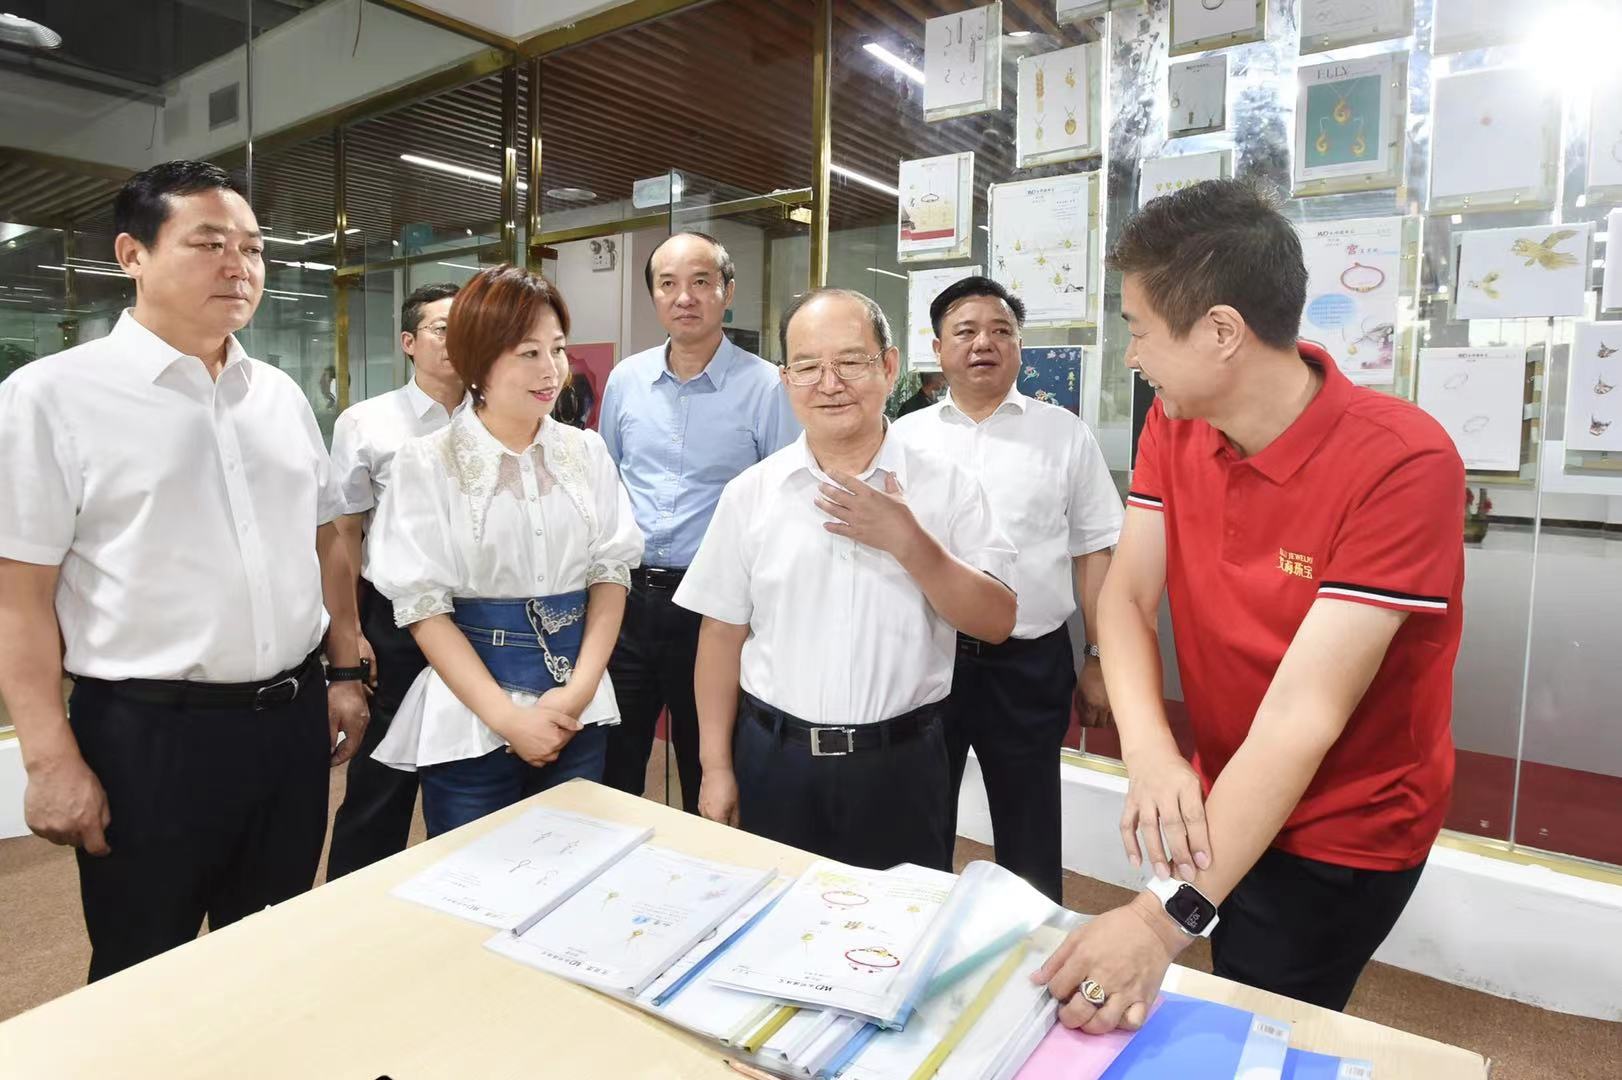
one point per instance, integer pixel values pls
(1200, 1040)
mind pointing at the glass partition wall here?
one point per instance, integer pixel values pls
(411, 160)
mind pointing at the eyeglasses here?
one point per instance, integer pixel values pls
(437, 330)
(850, 367)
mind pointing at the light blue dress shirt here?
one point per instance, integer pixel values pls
(677, 444)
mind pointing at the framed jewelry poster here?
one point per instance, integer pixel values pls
(963, 63)
(1198, 25)
(922, 288)
(1355, 276)
(1593, 400)
(1197, 91)
(1495, 141)
(1335, 24)
(1056, 95)
(1478, 396)
(1159, 176)
(1349, 131)
(936, 208)
(1461, 25)
(1042, 238)
(1610, 294)
(1052, 373)
(1536, 272)
(1605, 142)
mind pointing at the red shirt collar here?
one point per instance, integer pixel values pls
(1282, 457)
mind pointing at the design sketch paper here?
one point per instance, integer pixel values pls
(936, 207)
(1055, 106)
(1052, 373)
(715, 939)
(922, 288)
(1163, 175)
(1039, 245)
(530, 864)
(1492, 135)
(1523, 273)
(1342, 119)
(633, 922)
(1354, 275)
(1477, 395)
(1593, 400)
(1198, 96)
(1475, 24)
(1611, 293)
(960, 52)
(1605, 137)
(1197, 24)
(1329, 24)
(840, 938)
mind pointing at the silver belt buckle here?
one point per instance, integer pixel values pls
(259, 702)
(816, 741)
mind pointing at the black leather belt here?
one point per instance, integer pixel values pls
(829, 741)
(657, 578)
(1011, 647)
(179, 694)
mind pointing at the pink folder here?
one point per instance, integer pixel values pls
(1066, 1054)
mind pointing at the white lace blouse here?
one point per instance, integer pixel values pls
(466, 517)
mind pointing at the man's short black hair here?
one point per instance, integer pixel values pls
(723, 261)
(964, 288)
(421, 297)
(1217, 242)
(142, 204)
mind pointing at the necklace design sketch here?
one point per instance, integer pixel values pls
(1367, 278)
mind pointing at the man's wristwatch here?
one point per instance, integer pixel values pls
(1092, 650)
(363, 673)
(1189, 909)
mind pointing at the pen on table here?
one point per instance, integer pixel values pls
(747, 1070)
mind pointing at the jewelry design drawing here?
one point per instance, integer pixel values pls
(1212, 5)
(1601, 386)
(872, 959)
(1360, 145)
(1543, 253)
(1605, 350)
(1070, 121)
(1596, 426)
(1456, 380)
(1363, 283)
(1488, 285)
(1321, 143)
(1476, 423)
(1342, 112)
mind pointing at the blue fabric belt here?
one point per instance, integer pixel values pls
(529, 645)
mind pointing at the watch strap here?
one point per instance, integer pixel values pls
(1166, 888)
(350, 674)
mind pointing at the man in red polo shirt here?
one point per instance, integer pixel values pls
(1308, 533)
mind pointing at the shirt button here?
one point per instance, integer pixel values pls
(534, 498)
(537, 532)
(265, 647)
(540, 577)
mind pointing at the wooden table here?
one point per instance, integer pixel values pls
(348, 982)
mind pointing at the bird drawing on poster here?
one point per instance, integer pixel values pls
(1543, 253)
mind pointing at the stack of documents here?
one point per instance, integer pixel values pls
(631, 923)
(523, 869)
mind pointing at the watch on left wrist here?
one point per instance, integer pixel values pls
(361, 673)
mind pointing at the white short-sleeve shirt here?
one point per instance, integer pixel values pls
(468, 518)
(181, 509)
(365, 440)
(1048, 484)
(839, 633)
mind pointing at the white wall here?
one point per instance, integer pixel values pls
(594, 296)
(300, 69)
(1521, 932)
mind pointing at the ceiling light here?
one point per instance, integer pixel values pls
(852, 174)
(460, 266)
(86, 270)
(571, 194)
(1020, 33)
(5, 300)
(888, 273)
(284, 293)
(458, 170)
(16, 30)
(880, 52)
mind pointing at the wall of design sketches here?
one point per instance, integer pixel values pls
(1455, 170)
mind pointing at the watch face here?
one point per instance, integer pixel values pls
(1192, 911)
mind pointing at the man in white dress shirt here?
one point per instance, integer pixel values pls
(833, 581)
(1052, 493)
(374, 820)
(165, 513)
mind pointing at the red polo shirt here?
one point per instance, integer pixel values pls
(1360, 500)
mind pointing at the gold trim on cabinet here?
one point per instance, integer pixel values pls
(821, 137)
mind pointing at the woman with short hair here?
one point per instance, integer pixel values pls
(505, 544)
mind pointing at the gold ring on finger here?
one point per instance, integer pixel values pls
(1094, 993)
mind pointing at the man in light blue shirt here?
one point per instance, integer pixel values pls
(680, 420)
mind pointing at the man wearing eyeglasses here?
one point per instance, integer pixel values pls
(680, 420)
(833, 582)
(374, 820)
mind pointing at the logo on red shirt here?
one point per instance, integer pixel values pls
(1295, 564)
